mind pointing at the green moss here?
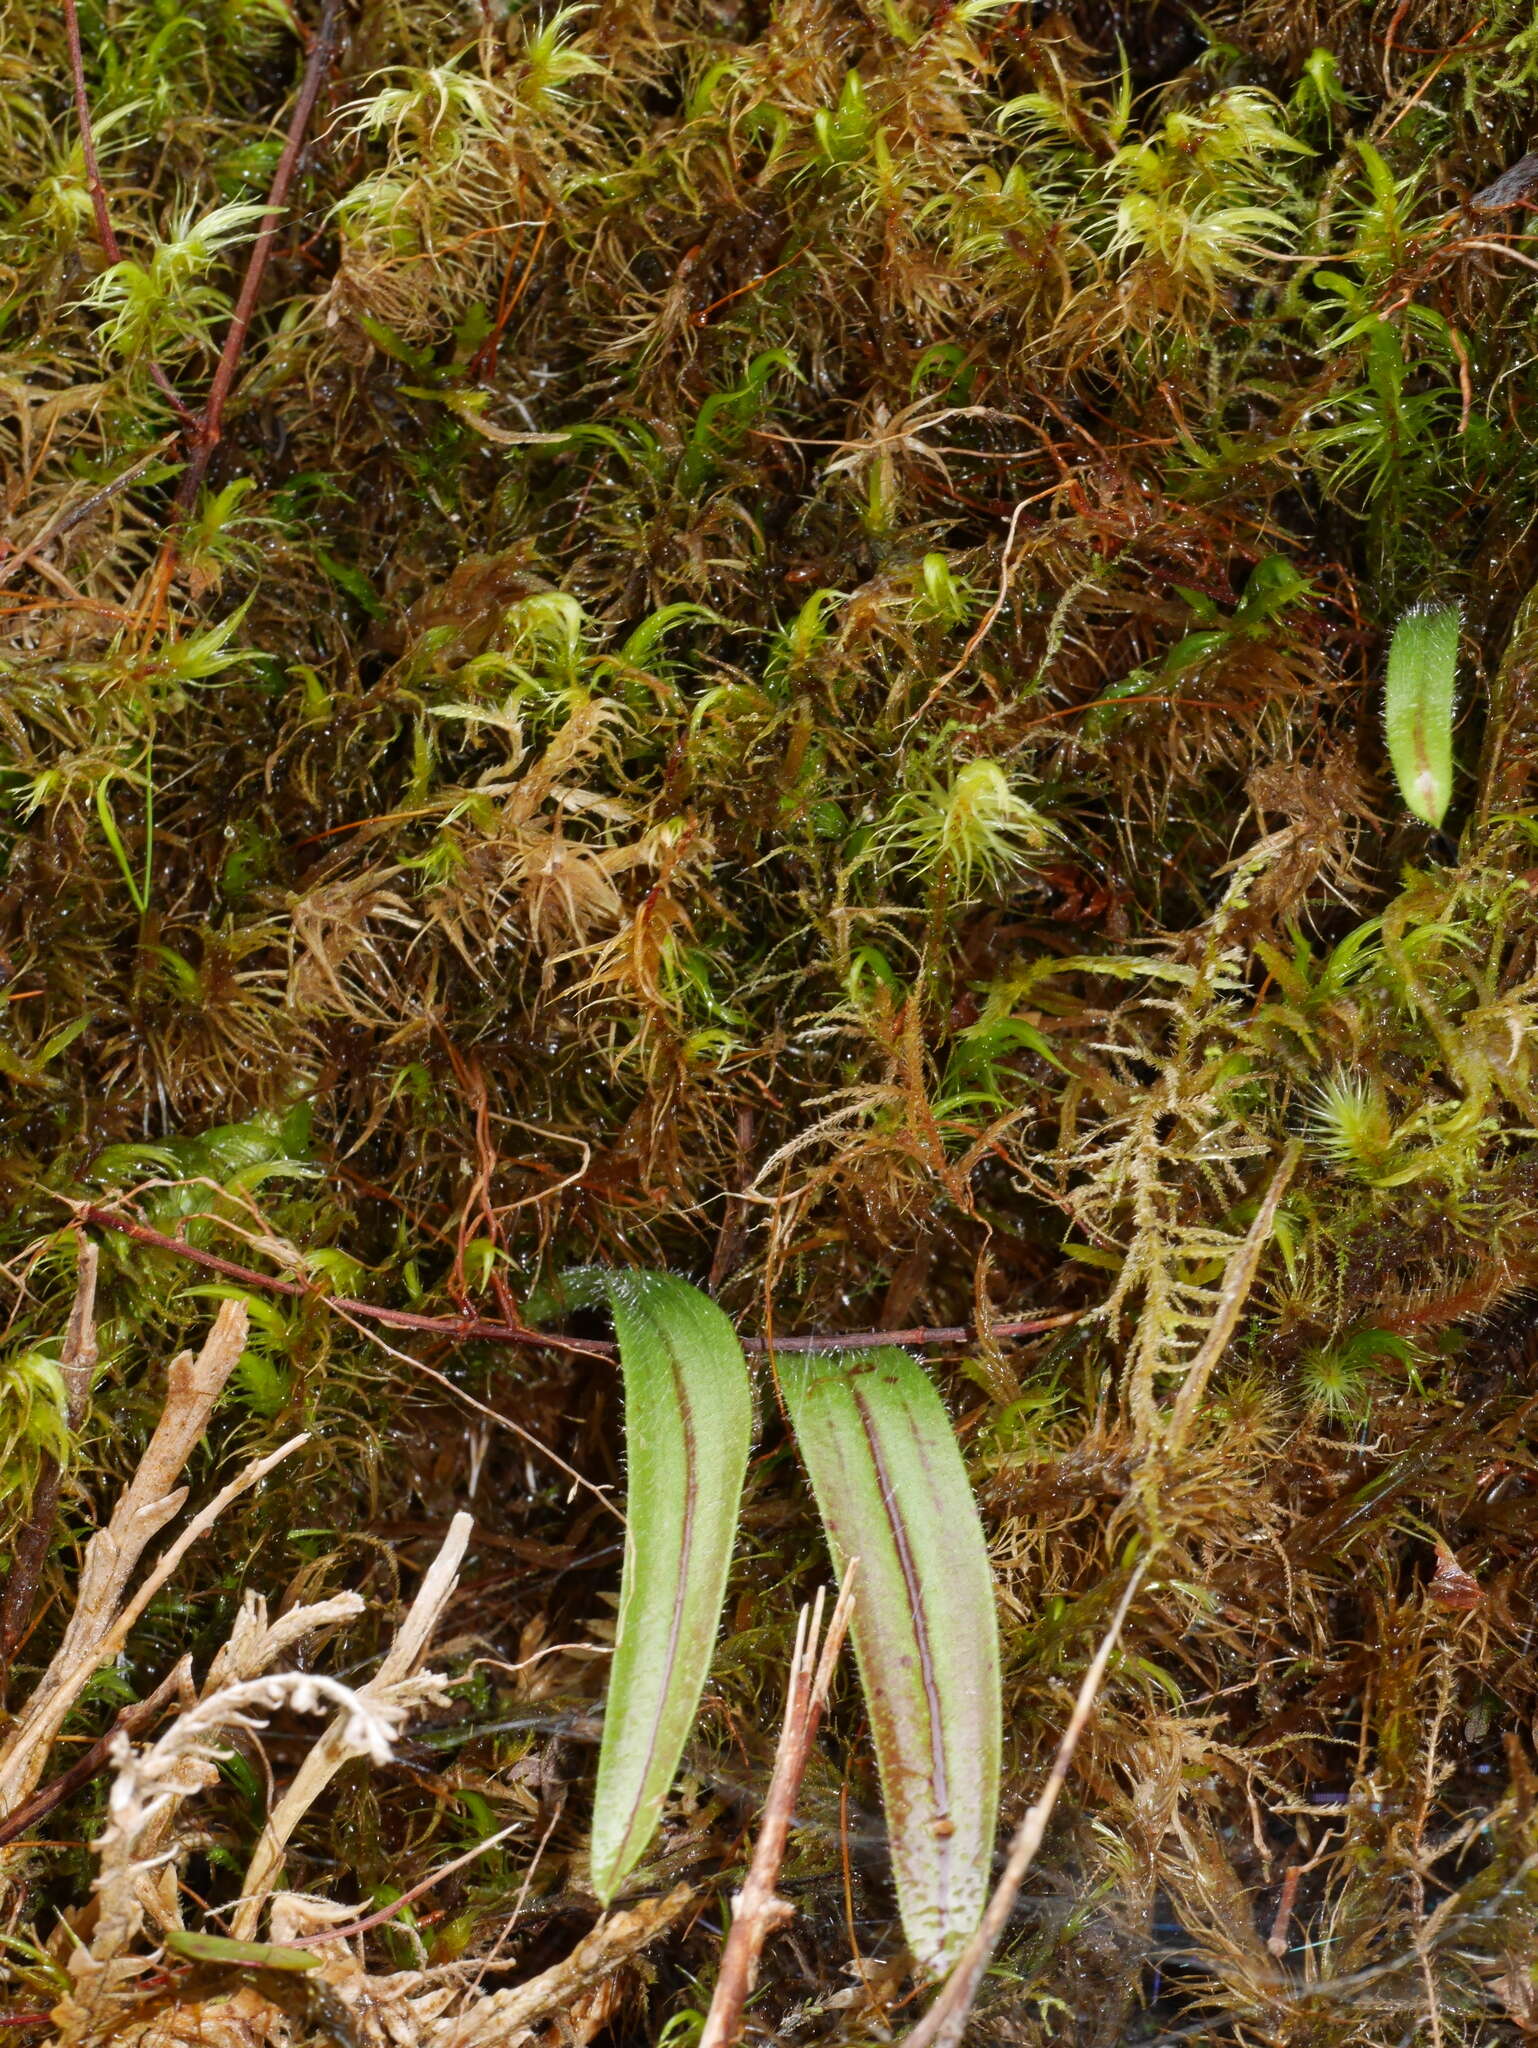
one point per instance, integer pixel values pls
(777, 672)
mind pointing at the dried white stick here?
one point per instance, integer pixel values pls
(150, 1500)
(1237, 1282)
(255, 1644)
(149, 1786)
(502, 2020)
(339, 1743)
(29, 1553)
(166, 1564)
(757, 1909)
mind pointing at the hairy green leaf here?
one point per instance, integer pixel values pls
(894, 1492)
(1418, 707)
(257, 1955)
(688, 1424)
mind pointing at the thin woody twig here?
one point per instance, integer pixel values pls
(478, 1329)
(132, 1721)
(382, 1914)
(72, 515)
(757, 1909)
(202, 430)
(77, 1361)
(985, 627)
(106, 234)
(942, 2026)
(106, 1610)
(466, 1328)
(926, 1336)
(210, 422)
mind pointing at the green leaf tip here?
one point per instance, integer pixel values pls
(893, 1491)
(251, 1955)
(688, 1427)
(1418, 706)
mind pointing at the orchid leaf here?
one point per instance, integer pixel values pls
(1418, 707)
(251, 1955)
(893, 1492)
(688, 1425)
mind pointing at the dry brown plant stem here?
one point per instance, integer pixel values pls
(1006, 571)
(105, 1612)
(77, 1361)
(204, 435)
(72, 515)
(757, 1909)
(105, 233)
(140, 1845)
(942, 2026)
(379, 1918)
(476, 1329)
(337, 1747)
(500, 2020)
(1237, 1282)
(177, 1684)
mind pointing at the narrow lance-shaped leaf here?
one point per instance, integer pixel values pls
(256, 1955)
(1418, 707)
(893, 1491)
(688, 1425)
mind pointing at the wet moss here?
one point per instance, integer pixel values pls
(777, 671)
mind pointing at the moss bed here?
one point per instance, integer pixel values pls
(771, 665)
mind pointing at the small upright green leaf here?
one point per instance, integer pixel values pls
(688, 1425)
(893, 1491)
(252, 1955)
(1418, 707)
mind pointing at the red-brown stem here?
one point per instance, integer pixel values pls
(409, 1898)
(105, 233)
(757, 1909)
(464, 1328)
(928, 1336)
(1280, 1938)
(104, 230)
(478, 1329)
(132, 1721)
(210, 423)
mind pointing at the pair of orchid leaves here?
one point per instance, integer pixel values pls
(892, 1491)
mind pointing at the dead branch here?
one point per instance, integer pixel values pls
(150, 1787)
(340, 1743)
(253, 1644)
(757, 1909)
(104, 1612)
(176, 1685)
(77, 1362)
(500, 2021)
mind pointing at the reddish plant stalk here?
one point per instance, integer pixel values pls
(205, 433)
(478, 1329)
